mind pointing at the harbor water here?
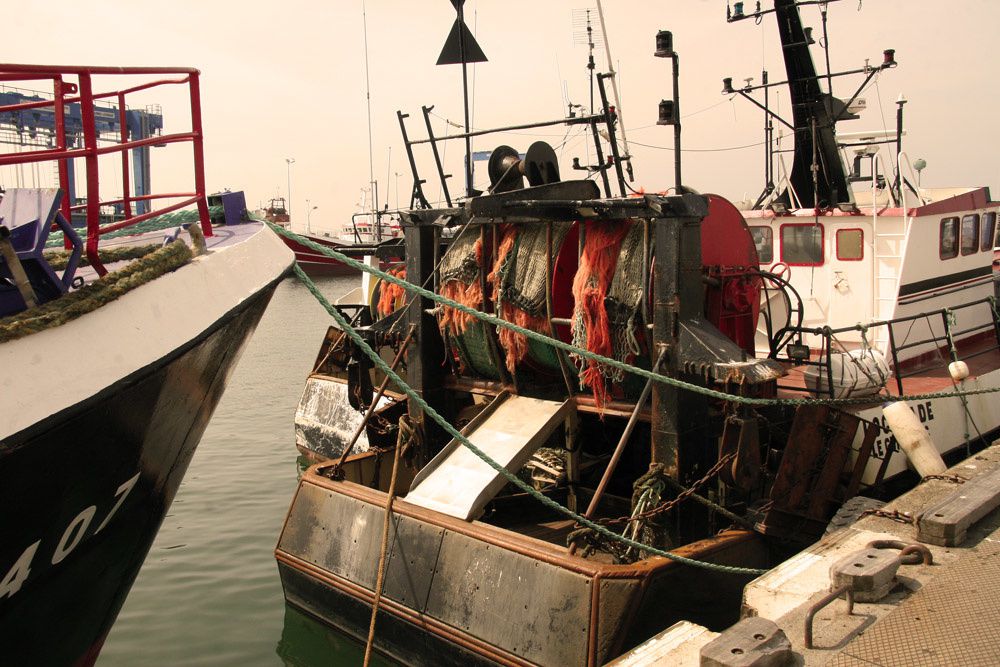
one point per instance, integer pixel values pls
(209, 593)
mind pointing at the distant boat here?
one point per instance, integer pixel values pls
(109, 375)
(357, 239)
(277, 212)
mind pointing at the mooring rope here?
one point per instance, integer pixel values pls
(572, 349)
(92, 296)
(510, 477)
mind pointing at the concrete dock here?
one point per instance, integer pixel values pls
(943, 613)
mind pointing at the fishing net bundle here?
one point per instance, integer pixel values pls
(607, 291)
(519, 279)
(460, 273)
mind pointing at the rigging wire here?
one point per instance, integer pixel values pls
(702, 150)
(368, 100)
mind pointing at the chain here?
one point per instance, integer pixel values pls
(681, 497)
(895, 515)
(955, 479)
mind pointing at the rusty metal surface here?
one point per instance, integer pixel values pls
(412, 556)
(952, 620)
(335, 532)
(538, 611)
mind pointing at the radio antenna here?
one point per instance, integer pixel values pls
(583, 33)
(614, 91)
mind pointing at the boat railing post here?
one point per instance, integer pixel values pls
(437, 155)
(895, 358)
(123, 135)
(198, 144)
(64, 165)
(93, 182)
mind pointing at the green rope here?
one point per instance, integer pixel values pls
(92, 296)
(572, 349)
(164, 221)
(510, 477)
(59, 259)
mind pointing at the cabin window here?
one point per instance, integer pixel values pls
(802, 245)
(850, 244)
(986, 231)
(763, 238)
(970, 234)
(948, 246)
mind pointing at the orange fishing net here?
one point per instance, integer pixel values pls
(602, 243)
(390, 293)
(515, 344)
(468, 294)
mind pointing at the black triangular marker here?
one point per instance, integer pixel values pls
(451, 54)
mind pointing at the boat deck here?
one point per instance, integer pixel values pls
(981, 355)
(222, 236)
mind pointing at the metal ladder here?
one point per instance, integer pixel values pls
(886, 268)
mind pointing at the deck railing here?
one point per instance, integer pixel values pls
(947, 347)
(66, 92)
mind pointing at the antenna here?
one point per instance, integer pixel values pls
(614, 89)
(368, 99)
(583, 33)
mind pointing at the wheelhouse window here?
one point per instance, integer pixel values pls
(802, 245)
(948, 238)
(763, 238)
(970, 234)
(850, 244)
(986, 231)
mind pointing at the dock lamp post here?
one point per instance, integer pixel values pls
(309, 212)
(289, 161)
(670, 110)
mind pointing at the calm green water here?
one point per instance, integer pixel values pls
(209, 592)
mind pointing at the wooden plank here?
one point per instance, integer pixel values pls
(823, 494)
(805, 440)
(458, 483)
(864, 454)
(946, 523)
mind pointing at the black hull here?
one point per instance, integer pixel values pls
(83, 493)
(401, 640)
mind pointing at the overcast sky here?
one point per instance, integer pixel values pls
(287, 80)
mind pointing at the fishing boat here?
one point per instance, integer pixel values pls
(114, 352)
(277, 212)
(619, 411)
(884, 284)
(355, 242)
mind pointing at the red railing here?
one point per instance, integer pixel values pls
(82, 92)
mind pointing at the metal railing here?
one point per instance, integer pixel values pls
(65, 92)
(950, 340)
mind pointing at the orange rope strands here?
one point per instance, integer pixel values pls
(468, 294)
(602, 244)
(391, 294)
(515, 345)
